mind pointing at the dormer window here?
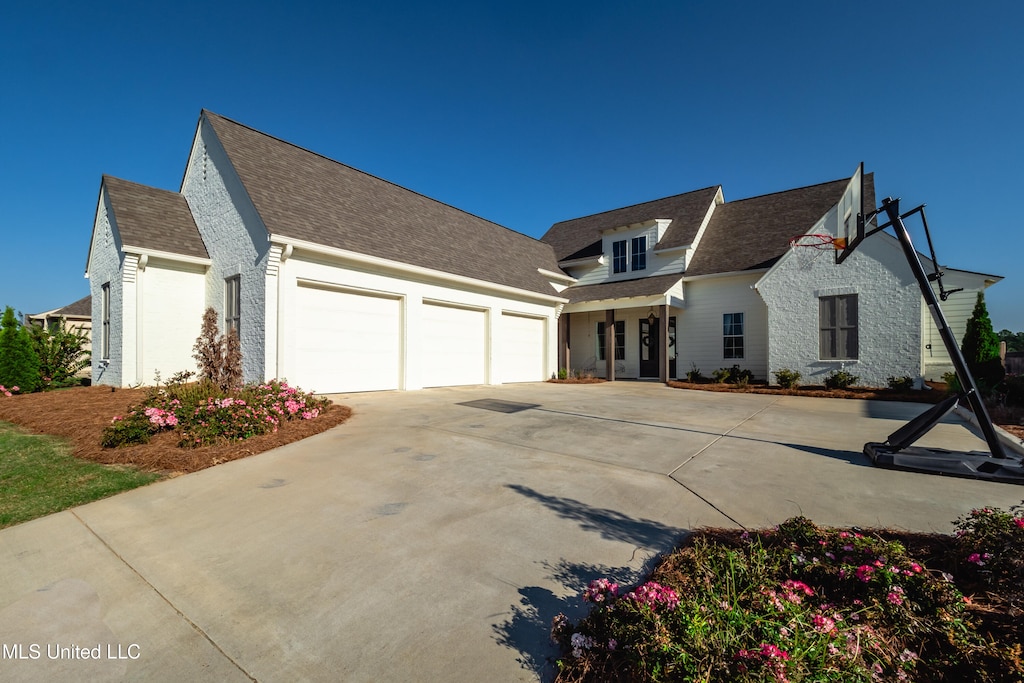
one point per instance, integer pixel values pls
(638, 253)
(619, 256)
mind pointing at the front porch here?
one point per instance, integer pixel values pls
(643, 345)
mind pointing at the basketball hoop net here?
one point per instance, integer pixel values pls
(807, 248)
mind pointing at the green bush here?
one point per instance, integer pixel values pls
(694, 375)
(840, 379)
(133, 428)
(990, 545)
(19, 365)
(733, 375)
(61, 353)
(952, 382)
(1012, 390)
(980, 348)
(905, 383)
(787, 379)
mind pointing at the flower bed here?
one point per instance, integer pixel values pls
(801, 602)
(202, 414)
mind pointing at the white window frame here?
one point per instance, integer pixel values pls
(638, 253)
(620, 336)
(620, 261)
(732, 331)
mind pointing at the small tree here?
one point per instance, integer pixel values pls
(981, 347)
(61, 353)
(219, 355)
(19, 365)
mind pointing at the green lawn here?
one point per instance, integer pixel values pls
(38, 476)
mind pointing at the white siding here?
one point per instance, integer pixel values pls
(957, 309)
(699, 326)
(583, 351)
(889, 303)
(170, 319)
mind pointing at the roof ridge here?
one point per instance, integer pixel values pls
(792, 189)
(631, 206)
(364, 173)
(106, 176)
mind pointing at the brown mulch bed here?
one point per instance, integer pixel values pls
(81, 413)
(577, 380)
(863, 393)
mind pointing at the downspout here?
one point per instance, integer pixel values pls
(286, 253)
(139, 269)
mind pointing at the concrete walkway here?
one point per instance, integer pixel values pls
(429, 540)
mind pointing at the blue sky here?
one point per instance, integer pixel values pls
(524, 113)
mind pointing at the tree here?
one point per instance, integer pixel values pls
(219, 355)
(19, 365)
(61, 353)
(1014, 340)
(981, 348)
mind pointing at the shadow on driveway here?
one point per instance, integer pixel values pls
(528, 628)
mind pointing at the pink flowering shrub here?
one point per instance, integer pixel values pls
(794, 603)
(990, 543)
(203, 413)
(4, 391)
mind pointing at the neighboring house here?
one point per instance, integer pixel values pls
(722, 276)
(339, 281)
(334, 279)
(75, 316)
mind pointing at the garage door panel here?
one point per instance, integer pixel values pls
(346, 341)
(522, 349)
(453, 345)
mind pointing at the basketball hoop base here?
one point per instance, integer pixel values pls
(969, 465)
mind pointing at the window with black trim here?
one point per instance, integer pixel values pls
(838, 337)
(620, 340)
(105, 318)
(619, 256)
(732, 335)
(638, 253)
(233, 304)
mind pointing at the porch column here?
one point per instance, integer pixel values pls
(563, 342)
(609, 344)
(663, 343)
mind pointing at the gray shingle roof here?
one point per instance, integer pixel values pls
(80, 309)
(751, 234)
(623, 289)
(154, 219)
(306, 196)
(576, 238)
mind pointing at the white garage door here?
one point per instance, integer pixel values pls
(345, 341)
(522, 348)
(453, 345)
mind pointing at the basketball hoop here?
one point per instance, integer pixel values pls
(807, 248)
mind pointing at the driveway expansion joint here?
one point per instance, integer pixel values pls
(163, 597)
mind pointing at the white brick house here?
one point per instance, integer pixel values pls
(340, 281)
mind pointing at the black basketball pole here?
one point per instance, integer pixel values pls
(968, 386)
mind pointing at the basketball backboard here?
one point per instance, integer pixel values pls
(849, 216)
(842, 227)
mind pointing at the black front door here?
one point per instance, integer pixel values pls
(650, 356)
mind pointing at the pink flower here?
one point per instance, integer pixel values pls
(864, 572)
(823, 624)
(1019, 521)
(15, 388)
(978, 559)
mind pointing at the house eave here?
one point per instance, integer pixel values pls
(409, 269)
(732, 273)
(167, 255)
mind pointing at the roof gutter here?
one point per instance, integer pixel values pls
(167, 255)
(377, 263)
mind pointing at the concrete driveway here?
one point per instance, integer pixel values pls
(431, 540)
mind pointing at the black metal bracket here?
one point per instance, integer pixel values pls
(898, 451)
